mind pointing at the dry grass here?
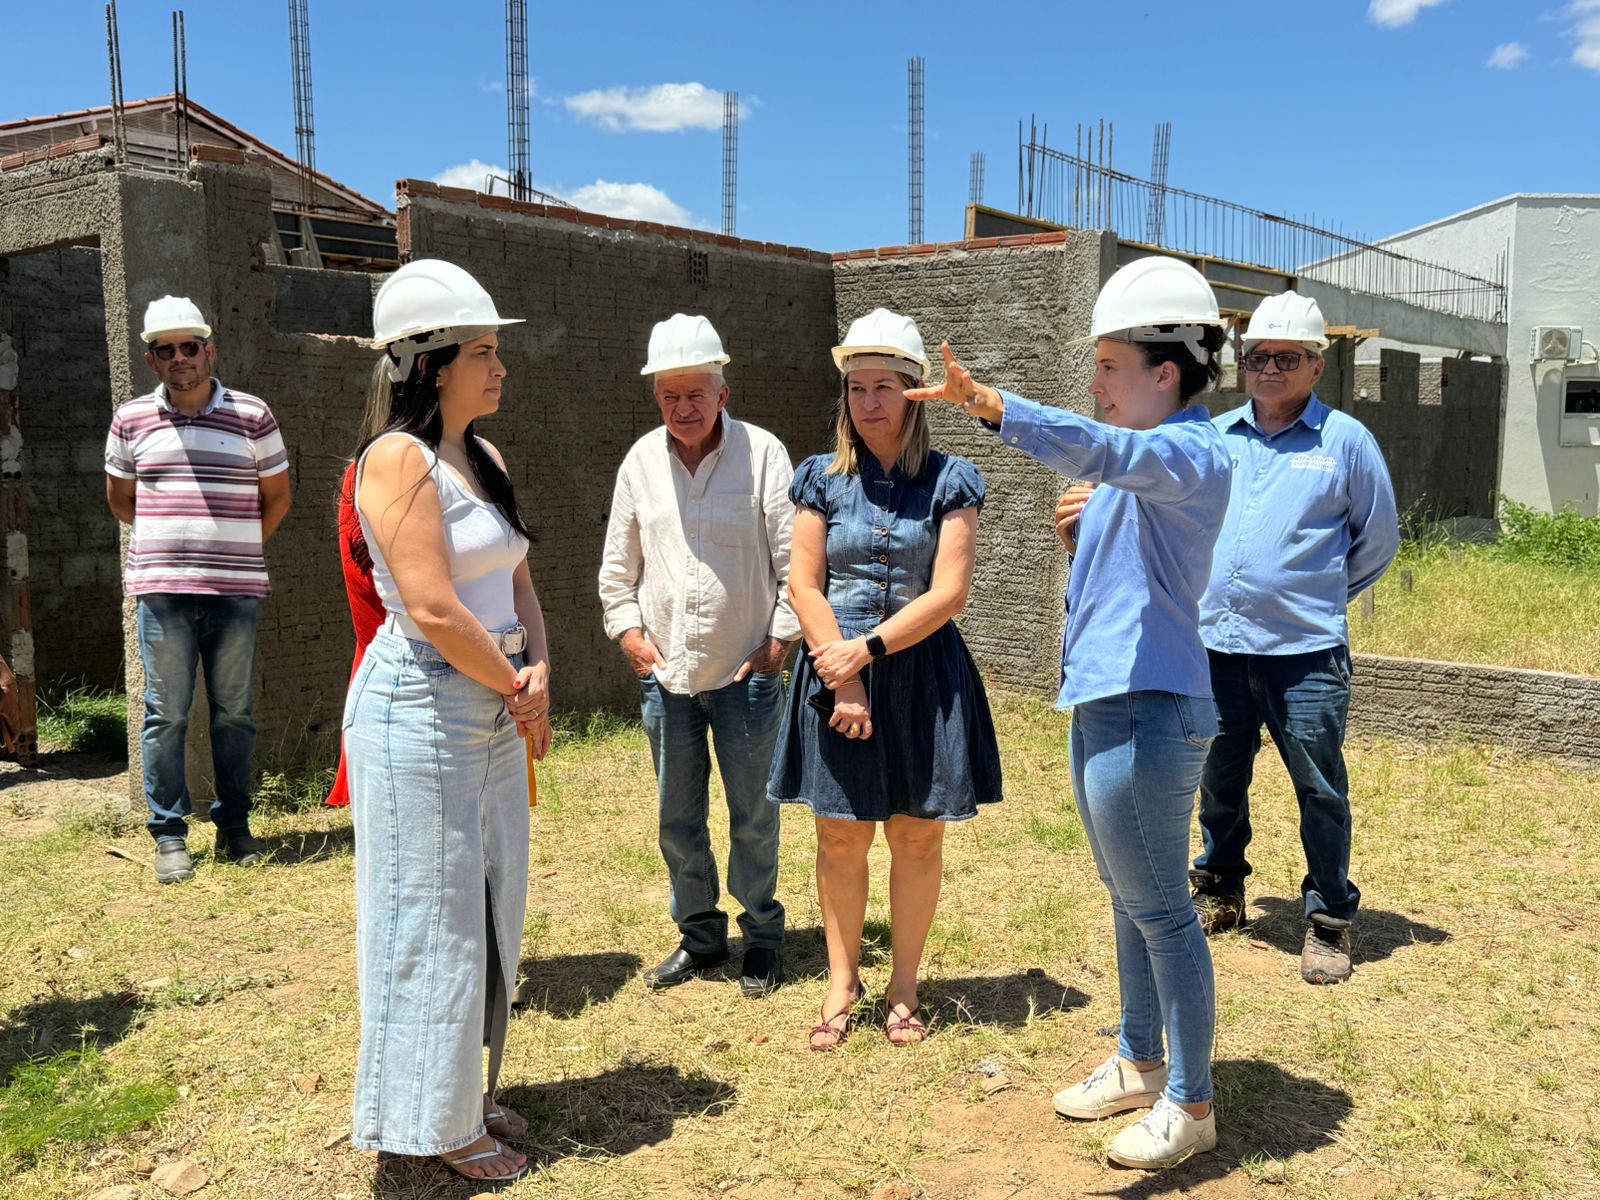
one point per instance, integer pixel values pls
(1474, 604)
(1457, 1062)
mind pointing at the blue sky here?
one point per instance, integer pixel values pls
(1376, 114)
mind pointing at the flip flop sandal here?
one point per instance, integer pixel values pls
(906, 1024)
(455, 1164)
(827, 1026)
(502, 1118)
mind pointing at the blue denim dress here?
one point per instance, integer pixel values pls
(932, 753)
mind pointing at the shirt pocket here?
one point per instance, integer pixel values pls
(733, 522)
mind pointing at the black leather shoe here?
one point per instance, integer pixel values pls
(681, 966)
(237, 846)
(761, 973)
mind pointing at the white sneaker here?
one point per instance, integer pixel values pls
(1113, 1087)
(1164, 1137)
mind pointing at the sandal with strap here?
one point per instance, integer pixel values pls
(826, 1026)
(504, 1123)
(905, 1024)
(457, 1162)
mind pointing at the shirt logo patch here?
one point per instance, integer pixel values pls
(1306, 461)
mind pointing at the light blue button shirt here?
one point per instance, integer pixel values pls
(1311, 522)
(1144, 545)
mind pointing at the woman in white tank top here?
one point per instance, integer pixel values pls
(439, 792)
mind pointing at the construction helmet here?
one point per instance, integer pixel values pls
(428, 304)
(684, 345)
(1149, 293)
(883, 340)
(173, 314)
(1288, 317)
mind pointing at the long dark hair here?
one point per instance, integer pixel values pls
(1194, 376)
(414, 409)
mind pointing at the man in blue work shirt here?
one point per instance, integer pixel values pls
(1311, 523)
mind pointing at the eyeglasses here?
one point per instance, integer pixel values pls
(187, 349)
(1288, 360)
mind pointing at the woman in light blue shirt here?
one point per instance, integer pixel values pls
(1135, 675)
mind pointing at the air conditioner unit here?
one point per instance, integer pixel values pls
(1559, 343)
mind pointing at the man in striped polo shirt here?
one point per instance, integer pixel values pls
(199, 471)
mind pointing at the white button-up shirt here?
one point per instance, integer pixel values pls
(700, 562)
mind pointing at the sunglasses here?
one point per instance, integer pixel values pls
(1289, 360)
(187, 349)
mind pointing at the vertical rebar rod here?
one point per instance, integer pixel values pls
(914, 151)
(304, 120)
(730, 162)
(518, 167)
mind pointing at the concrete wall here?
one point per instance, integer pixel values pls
(1009, 313)
(1438, 424)
(1553, 282)
(316, 301)
(575, 401)
(1536, 712)
(1402, 322)
(52, 305)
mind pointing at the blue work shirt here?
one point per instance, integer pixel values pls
(1311, 522)
(1144, 545)
(883, 529)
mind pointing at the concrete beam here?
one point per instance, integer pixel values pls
(1398, 321)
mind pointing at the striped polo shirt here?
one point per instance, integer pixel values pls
(197, 500)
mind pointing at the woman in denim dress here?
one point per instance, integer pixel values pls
(887, 720)
(438, 782)
(1135, 673)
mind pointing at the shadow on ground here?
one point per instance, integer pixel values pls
(55, 765)
(49, 1026)
(566, 985)
(1375, 935)
(1262, 1111)
(613, 1113)
(1010, 1000)
(292, 849)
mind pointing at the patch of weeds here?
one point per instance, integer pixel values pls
(573, 730)
(110, 820)
(634, 862)
(1063, 836)
(85, 721)
(1564, 539)
(954, 940)
(1548, 1081)
(1343, 1048)
(1512, 1026)
(194, 993)
(70, 1099)
(301, 790)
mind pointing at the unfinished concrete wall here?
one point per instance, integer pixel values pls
(317, 301)
(52, 305)
(1009, 311)
(590, 288)
(1438, 424)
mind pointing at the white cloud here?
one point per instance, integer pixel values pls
(1508, 56)
(1392, 14)
(1585, 33)
(629, 201)
(664, 108)
(474, 175)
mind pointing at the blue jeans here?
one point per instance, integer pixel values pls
(742, 719)
(1136, 762)
(176, 631)
(1303, 699)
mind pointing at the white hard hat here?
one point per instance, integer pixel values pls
(885, 335)
(683, 345)
(1288, 317)
(173, 314)
(428, 304)
(1149, 293)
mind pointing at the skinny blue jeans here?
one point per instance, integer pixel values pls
(742, 719)
(179, 631)
(1136, 761)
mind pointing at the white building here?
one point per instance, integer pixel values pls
(1550, 448)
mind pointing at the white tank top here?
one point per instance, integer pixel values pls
(483, 549)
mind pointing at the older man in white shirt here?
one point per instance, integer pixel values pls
(695, 588)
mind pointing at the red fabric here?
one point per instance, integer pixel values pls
(366, 610)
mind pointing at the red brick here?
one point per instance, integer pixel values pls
(458, 195)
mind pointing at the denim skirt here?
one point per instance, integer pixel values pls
(932, 753)
(439, 799)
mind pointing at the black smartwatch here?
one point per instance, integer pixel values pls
(875, 646)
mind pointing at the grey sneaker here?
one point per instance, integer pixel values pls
(1325, 957)
(173, 864)
(1164, 1137)
(237, 846)
(1111, 1088)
